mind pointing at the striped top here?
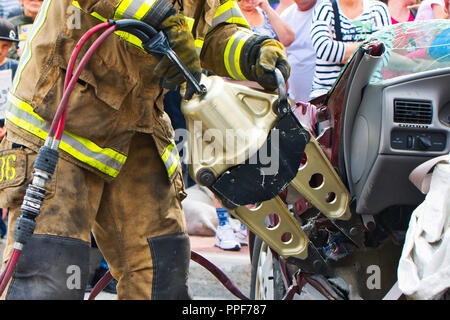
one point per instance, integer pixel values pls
(10, 8)
(329, 52)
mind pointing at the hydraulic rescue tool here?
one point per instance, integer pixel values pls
(272, 151)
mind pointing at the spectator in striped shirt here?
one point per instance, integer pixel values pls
(358, 19)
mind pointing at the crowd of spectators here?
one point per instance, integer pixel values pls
(8, 66)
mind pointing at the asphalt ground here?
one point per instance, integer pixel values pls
(204, 286)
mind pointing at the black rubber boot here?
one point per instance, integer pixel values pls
(51, 268)
(171, 255)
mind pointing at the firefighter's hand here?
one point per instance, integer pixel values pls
(182, 42)
(271, 56)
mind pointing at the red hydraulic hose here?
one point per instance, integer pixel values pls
(71, 65)
(78, 48)
(219, 274)
(101, 284)
(208, 265)
(7, 273)
(71, 84)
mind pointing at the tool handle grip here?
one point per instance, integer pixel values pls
(283, 103)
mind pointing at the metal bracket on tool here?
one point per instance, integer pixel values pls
(273, 222)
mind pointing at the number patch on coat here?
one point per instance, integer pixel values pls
(13, 165)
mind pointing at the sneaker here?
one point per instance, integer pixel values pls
(242, 236)
(98, 274)
(235, 224)
(111, 287)
(225, 238)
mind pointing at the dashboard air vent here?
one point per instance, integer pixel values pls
(413, 111)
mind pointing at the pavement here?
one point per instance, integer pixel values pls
(235, 264)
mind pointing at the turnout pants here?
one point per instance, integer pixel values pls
(136, 219)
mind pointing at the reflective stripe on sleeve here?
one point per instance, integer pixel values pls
(199, 44)
(133, 9)
(27, 52)
(233, 53)
(190, 22)
(229, 12)
(121, 13)
(132, 39)
(171, 158)
(106, 160)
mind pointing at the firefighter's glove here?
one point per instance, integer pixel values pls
(271, 55)
(182, 42)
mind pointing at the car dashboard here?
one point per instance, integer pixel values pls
(399, 124)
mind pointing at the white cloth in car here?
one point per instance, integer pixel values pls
(424, 266)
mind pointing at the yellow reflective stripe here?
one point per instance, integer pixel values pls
(237, 20)
(27, 52)
(229, 12)
(232, 54)
(63, 145)
(171, 158)
(167, 151)
(237, 55)
(121, 8)
(135, 9)
(23, 105)
(99, 17)
(87, 160)
(132, 39)
(80, 148)
(124, 35)
(227, 58)
(225, 7)
(142, 11)
(199, 43)
(76, 4)
(190, 22)
(174, 166)
(171, 163)
(87, 143)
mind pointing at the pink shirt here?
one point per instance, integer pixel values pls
(410, 18)
(425, 11)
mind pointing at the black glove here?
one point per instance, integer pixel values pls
(182, 42)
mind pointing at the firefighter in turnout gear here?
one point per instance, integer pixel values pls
(119, 173)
